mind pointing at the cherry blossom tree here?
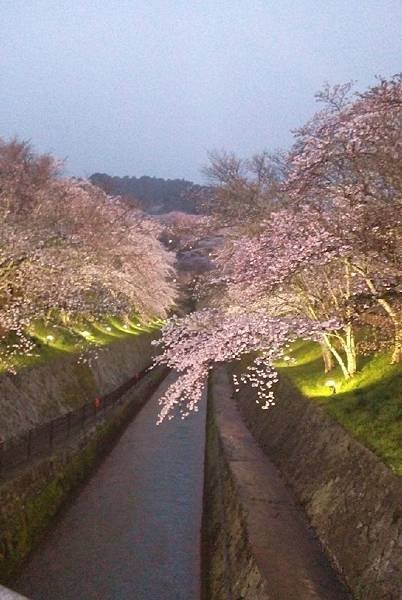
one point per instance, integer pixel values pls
(295, 266)
(347, 164)
(66, 247)
(194, 344)
(181, 231)
(320, 244)
(243, 191)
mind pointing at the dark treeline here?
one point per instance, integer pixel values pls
(152, 194)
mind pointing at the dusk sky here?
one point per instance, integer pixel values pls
(147, 87)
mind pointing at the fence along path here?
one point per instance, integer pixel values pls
(41, 440)
(133, 531)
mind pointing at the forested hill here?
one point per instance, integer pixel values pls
(155, 195)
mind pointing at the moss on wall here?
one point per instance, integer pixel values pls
(29, 502)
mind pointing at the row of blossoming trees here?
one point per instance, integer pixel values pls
(67, 250)
(313, 248)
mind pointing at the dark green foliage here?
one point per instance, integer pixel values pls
(152, 194)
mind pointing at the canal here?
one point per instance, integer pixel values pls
(133, 531)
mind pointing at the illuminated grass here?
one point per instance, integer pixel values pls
(106, 331)
(136, 325)
(52, 340)
(53, 336)
(122, 326)
(369, 405)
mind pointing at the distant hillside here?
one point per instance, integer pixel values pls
(154, 195)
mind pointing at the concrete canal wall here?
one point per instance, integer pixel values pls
(258, 545)
(352, 500)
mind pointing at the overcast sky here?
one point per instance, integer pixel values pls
(148, 86)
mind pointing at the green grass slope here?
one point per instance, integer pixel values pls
(369, 405)
(51, 341)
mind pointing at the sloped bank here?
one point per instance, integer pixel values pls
(353, 501)
(42, 392)
(30, 499)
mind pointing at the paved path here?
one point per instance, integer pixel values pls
(134, 530)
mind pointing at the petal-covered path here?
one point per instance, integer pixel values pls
(134, 530)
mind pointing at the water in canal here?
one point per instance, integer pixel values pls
(134, 530)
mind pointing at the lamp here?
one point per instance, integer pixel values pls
(331, 385)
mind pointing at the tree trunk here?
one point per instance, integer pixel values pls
(327, 357)
(397, 353)
(337, 356)
(397, 323)
(350, 350)
(349, 340)
(391, 312)
(64, 316)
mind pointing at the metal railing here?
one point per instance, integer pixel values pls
(41, 440)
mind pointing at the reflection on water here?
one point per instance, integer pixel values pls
(134, 531)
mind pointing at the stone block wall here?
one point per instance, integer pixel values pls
(45, 391)
(353, 501)
(33, 494)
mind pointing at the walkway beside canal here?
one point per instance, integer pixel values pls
(134, 529)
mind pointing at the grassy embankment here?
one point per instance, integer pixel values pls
(369, 405)
(55, 340)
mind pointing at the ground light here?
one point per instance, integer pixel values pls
(107, 330)
(121, 326)
(330, 384)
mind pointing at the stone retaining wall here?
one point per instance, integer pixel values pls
(33, 496)
(44, 391)
(353, 501)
